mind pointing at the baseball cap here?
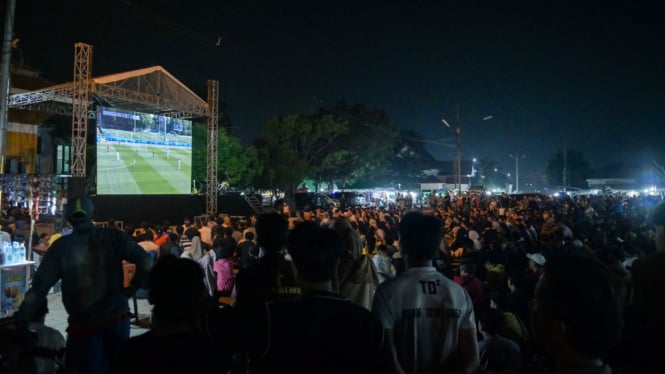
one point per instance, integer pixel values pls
(537, 258)
(79, 210)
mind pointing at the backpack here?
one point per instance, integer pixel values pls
(16, 347)
(19, 348)
(255, 252)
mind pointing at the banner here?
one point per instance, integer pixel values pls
(13, 282)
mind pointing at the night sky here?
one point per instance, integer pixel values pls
(585, 76)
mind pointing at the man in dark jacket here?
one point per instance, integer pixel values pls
(319, 331)
(89, 262)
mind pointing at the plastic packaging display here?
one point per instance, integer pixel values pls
(13, 253)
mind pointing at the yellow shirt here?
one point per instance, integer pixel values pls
(53, 238)
(514, 329)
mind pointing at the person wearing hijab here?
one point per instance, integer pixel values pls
(357, 277)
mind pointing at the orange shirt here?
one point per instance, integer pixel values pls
(161, 239)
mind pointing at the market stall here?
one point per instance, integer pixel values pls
(25, 198)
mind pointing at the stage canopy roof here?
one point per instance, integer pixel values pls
(149, 90)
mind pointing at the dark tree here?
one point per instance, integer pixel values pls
(236, 165)
(342, 145)
(363, 150)
(293, 147)
(568, 168)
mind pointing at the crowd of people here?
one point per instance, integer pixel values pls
(474, 285)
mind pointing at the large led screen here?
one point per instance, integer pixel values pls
(140, 153)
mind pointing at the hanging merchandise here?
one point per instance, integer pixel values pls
(34, 203)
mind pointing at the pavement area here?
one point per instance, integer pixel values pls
(57, 315)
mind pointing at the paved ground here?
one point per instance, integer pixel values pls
(57, 316)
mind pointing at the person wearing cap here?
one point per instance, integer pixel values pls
(89, 263)
(536, 263)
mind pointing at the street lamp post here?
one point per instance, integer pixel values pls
(458, 143)
(458, 146)
(517, 157)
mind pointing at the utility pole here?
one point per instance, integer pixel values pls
(458, 136)
(458, 144)
(565, 161)
(517, 157)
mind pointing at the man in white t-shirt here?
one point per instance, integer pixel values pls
(428, 318)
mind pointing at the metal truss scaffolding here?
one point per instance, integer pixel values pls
(149, 90)
(80, 100)
(213, 132)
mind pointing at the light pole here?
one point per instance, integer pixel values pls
(517, 157)
(473, 171)
(458, 143)
(458, 146)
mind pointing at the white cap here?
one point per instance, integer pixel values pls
(537, 258)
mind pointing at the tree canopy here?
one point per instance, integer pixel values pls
(571, 164)
(364, 149)
(340, 144)
(237, 165)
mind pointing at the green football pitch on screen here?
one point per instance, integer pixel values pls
(142, 154)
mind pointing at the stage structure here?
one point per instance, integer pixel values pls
(211, 170)
(150, 90)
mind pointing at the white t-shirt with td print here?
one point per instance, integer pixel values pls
(426, 311)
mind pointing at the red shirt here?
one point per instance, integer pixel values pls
(473, 286)
(161, 239)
